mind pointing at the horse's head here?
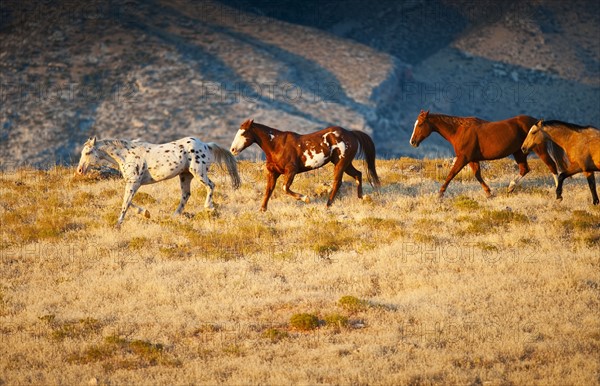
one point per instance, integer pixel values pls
(422, 129)
(243, 138)
(89, 156)
(534, 137)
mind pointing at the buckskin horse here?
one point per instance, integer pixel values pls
(476, 140)
(289, 153)
(580, 143)
(143, 163)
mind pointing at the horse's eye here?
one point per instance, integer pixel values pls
(88, 153)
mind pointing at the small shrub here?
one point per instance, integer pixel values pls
(465, 203)
(121, 353)
(72, 329)
(336, 320)
(137, 243)
(275, 334)
(304, 322)
(353, 304)
(143, 198)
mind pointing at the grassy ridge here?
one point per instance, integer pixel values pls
(399, 288)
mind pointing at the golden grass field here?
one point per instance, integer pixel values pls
(396, 289)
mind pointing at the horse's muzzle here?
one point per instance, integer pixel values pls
(414, 144)
(525, 150)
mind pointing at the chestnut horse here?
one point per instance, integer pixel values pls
(289, 153)
(581, 144)
(475, 140)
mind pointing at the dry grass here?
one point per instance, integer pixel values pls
(397, 289)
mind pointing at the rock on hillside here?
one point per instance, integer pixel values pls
(159, 70)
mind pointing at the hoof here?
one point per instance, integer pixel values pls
(490, 195)
(596, 202)
(146, 213)
(305, 199)
(262, 209)
(511, 187)
(558, 199)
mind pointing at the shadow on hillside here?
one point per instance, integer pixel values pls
(302, 72)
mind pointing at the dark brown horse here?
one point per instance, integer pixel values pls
(582, 147)
(290, 153)
(475, 140)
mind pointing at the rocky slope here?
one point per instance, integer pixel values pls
(160, 70)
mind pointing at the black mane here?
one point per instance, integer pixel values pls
(566, 125)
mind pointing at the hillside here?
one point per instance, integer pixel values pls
(160, 70)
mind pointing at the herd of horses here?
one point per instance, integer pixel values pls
(565, 148)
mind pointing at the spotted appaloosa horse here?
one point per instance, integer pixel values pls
(289, 153)
(475, 140)
(144, 163)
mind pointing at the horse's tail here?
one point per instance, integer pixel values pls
(224, 156)
(367, 152)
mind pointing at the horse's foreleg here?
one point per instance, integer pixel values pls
(477, 171)
(185, 180)
(130, 189)
(592, 183)
(574, 169)
(456, 168)
(289, 178)
(559, 185)
(271, 181)
(357, 175)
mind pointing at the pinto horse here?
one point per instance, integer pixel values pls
(144, 163)
(582, 147)
(476, 140)
(289, 153)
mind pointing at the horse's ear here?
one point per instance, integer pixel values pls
(93, 142)
(540, 123)
(427, 113)
(251, 121)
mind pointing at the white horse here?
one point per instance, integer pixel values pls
(143, 163)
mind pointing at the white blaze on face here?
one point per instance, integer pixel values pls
(238, 142)
(414, 129)
(314, 159)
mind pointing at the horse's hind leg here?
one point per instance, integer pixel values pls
(477, 171)
(592, 183)
(289, 178)
(338, 173)
(185, 181)
(357, 175)
(521, 159)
